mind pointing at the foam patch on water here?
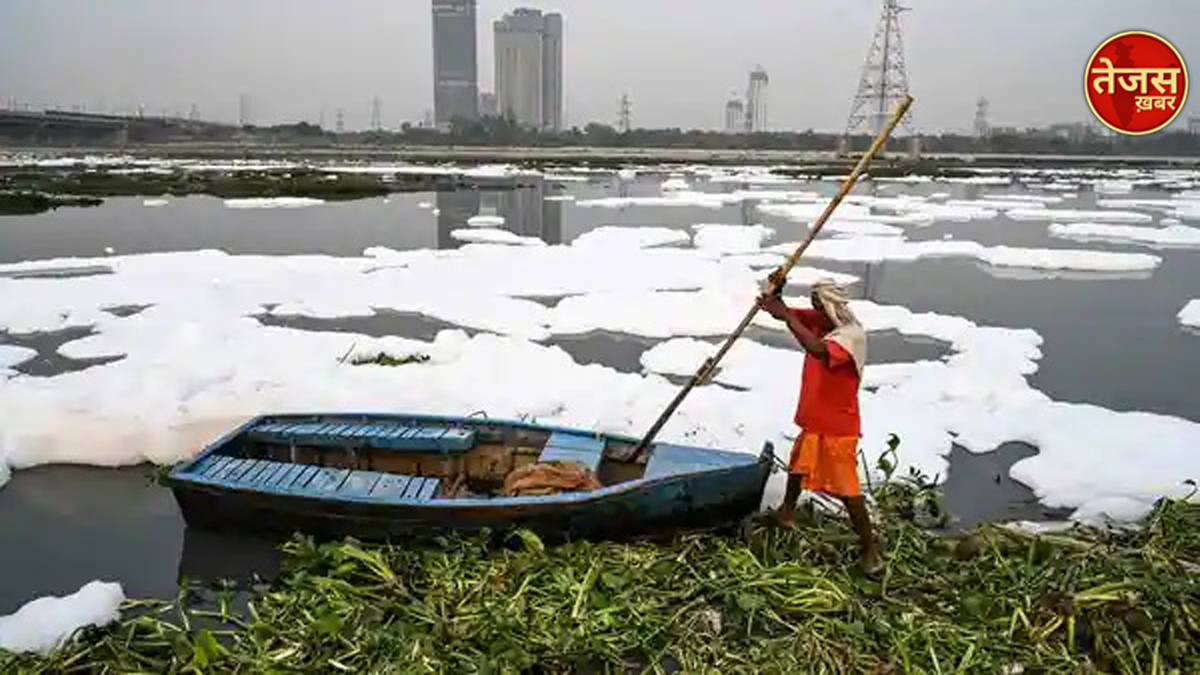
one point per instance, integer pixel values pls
(485, 221)
(11, 355)
(1171, 236)
(611, 236)
(43, 624)
(272, 202)
(1025, 197)
(731, 239)
(493, 236)
(675, 184)
(155, 202)
(1068, 215)
(706, 200)
(879, 249)
(1190, 314)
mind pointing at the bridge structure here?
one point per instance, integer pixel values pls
(64, 127)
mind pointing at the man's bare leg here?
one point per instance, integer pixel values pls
(857, 508)
(787, 512)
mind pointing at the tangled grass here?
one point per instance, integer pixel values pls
(760, 600)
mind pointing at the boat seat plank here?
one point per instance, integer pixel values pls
(576, 441)
(668, 460)
(568, 448)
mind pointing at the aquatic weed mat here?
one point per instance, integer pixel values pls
(763, 600)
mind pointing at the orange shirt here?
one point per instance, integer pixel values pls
(828, 393)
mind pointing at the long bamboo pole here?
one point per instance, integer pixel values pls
(779, 277)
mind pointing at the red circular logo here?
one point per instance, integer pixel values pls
(1136, 83)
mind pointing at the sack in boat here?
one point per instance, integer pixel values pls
(549, 478)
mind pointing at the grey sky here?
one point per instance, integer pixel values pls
(679, 60)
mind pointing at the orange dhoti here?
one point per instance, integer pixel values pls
(828, 464)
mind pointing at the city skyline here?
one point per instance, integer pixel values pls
(677, 59)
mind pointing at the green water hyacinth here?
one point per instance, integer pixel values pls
(750, 599)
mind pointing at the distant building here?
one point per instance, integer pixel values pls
(529, 68)
(1194, 124)
(487, 104)
(735, 116)
(455, 70)
(756, 101)
(982, 127)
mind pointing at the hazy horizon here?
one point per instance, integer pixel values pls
(679, 60)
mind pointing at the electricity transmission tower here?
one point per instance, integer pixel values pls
(624, 122)
(243, 110)
(341, 121)
(884, 81)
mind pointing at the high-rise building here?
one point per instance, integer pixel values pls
(756, 101)
(529, 68)
(455, 70)
(735, 116)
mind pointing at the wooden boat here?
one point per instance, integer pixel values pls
(376, 476)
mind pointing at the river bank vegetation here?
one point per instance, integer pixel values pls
(748, 599)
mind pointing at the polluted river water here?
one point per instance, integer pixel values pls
(1108, 341)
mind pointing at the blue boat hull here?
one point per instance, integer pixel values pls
(682, 488)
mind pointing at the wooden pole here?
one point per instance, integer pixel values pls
(779, 277)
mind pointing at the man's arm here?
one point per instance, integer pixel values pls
(775, 306)
(808, 339)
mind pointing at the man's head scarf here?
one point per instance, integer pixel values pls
(847, 331)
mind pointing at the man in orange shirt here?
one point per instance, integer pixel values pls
(824, 456)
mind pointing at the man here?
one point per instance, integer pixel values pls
(824, 456)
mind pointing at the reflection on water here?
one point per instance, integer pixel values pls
(525, 210)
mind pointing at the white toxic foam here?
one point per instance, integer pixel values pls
(684, 198)
(1190, 314)
(272, 202)
(155, 202)
(731, 239)
(493, 236)
(43, 624)
(1172, 236)
(485, 221)
(630, 237)
(1068, 215)
(674, 184)
(878, 249)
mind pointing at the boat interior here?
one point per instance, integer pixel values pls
(398, 459)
